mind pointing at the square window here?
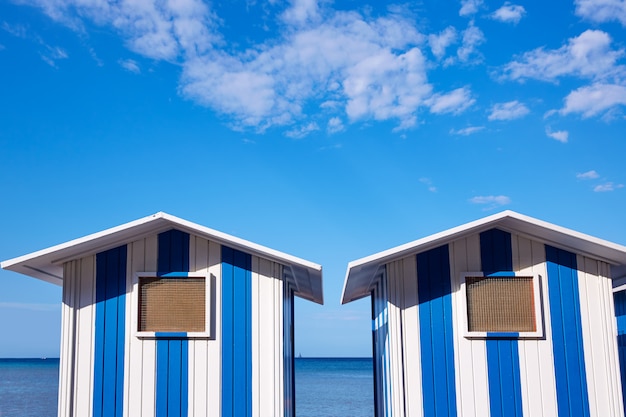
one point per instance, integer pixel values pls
(171, 305)
(501, 306)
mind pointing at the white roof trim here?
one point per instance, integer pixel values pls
(47, 264)
(361, 273)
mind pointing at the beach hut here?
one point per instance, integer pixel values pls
(164, 317)
(507, 316)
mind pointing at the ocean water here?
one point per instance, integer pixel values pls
(325, 387)
(334, 387)
(28, 387)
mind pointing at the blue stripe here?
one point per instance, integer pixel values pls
(503, 368)
(620, 313)
(503, 335)
(108, 394)
(172, 356)
(436, 332)
(236, 333)
(567, 340)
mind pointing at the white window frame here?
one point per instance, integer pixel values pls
(538, 333)
(171, 335)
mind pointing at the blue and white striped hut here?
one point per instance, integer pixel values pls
(163, 317)
(507, 316)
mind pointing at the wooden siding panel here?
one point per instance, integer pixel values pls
(256, 342)
(134, 361)
(236, 333)
(503, 369)
(267, 369)
(83, 387)
(288, 351)
(214, 348)
(598, 339)
(66, 363)
(569, 362)
(463, 349)
(198, 361)
(436, 332)
(411, 342)
(110, 332)
(394, 290)
(536, 363)
(380, 339)
(620, 316)
(148, 378)
(172, 354)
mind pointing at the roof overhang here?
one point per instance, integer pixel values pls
(47, 264)
(361, 273)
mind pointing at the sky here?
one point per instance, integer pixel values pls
(329, 130)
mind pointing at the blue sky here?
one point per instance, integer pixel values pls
(327, 130)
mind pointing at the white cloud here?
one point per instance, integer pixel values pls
(302, 12)
(602, 10)
(49, 54)
(470, 7)
(509, 13)
(366, 69)
(594, 99)
(429, 184)
(472, 38)
(335, 125)
(52, 54)
(491, 201)
(455, 101)
(302, 131)
(560, 135)
(467, 130)
(439, 43)
(588, 56)
(608, 186)
(129, 65)
(344, 63)
(589, 175)
(508, 111)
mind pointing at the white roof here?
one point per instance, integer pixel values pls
(361, 273)
(47, 264)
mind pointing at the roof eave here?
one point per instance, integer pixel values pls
(360, 273)
(47, 264)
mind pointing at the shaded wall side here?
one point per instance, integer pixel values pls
(404, 271)
(380, 349)
(620, 316)
(288, 334)
(77, 341)
(267, 338)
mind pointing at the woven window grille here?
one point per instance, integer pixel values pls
(172, 304)
(500, 304)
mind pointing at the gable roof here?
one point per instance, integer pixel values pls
(361, 273)
(47, 264)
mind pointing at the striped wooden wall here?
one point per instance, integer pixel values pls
(106, 370)
(435, 370)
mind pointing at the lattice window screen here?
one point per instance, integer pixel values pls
(500, 304)
(172, 304)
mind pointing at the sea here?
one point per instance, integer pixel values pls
(325, 387)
